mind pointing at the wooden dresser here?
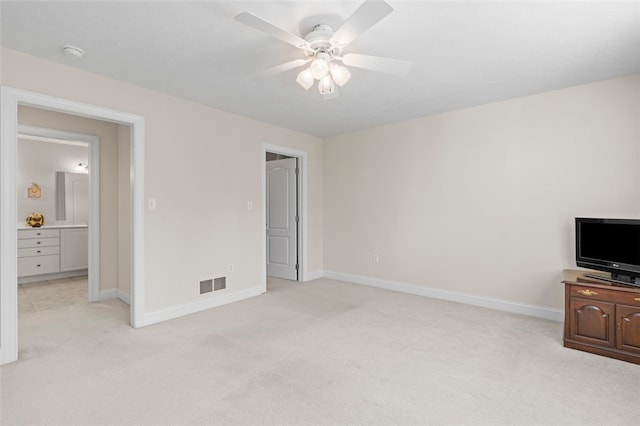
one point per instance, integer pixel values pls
(601, 318)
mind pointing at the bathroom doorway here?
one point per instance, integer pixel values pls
(64, 167)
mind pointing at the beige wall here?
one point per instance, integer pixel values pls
(108, 134)
(481, 201)
(39, 162)
(202, 166)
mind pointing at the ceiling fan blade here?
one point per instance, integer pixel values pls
(368, 14)
(376, 63)
(260, 24)
(282, 67)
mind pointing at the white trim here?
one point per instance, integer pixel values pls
(124, 297)
(93, 143)
(9, 100)
(55, 276)
(45, 139)
(451, 296)
(112, 293)
(302, 200)
(316, 275)
(137, 152)
(210, 302)
(8, 228)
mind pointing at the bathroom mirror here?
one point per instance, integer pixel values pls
(72, 197)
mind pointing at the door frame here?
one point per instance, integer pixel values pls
(302, 208)
(10, 99)
(93, 143)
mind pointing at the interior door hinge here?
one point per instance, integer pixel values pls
(297, 170)
(297, 218)
(297, 266)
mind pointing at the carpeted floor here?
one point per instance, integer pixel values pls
(320, 353)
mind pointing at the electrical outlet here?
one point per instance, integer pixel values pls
(230, 268)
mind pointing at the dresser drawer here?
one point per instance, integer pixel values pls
(616, 295)
(38, 265)
(38, 251)
(38, 233)
(38, 242)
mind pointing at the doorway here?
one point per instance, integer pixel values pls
(284, 206)
(61, 204)
(10, 100)
(282, 216)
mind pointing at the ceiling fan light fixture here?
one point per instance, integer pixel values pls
(320, 65)
(324, 45)
(339, 73)
(326, 86)
(305, 79)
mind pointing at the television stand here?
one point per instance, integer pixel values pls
(613, 280)
(601, 318)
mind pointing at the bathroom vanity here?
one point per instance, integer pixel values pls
(52, 251)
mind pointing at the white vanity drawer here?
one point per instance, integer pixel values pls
(38, 265)
(38, 251)
(38, 233)
(38, 242)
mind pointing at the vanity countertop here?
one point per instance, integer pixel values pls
(54, 226)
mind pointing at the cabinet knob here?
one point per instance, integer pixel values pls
(587, 293)
(38, 251)
(38, 266)
(37, 242)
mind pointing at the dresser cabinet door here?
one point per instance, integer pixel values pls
(592, 322)
(628, 318)
(74, 249)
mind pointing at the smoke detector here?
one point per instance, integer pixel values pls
(73, 51)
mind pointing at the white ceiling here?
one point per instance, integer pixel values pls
(464, 53)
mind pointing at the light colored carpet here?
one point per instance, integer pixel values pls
(320, 353)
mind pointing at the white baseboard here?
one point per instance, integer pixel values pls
(451, 296)
(112, 293)
(310, 276)
(124, 297)
(54, 276)
(212, 300)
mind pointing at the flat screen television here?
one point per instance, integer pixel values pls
(610, 245)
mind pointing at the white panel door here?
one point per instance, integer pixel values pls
(282, 235)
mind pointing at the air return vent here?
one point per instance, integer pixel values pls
(220, 283)
(206, 286)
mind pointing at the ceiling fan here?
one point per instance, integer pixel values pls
(323, 48)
